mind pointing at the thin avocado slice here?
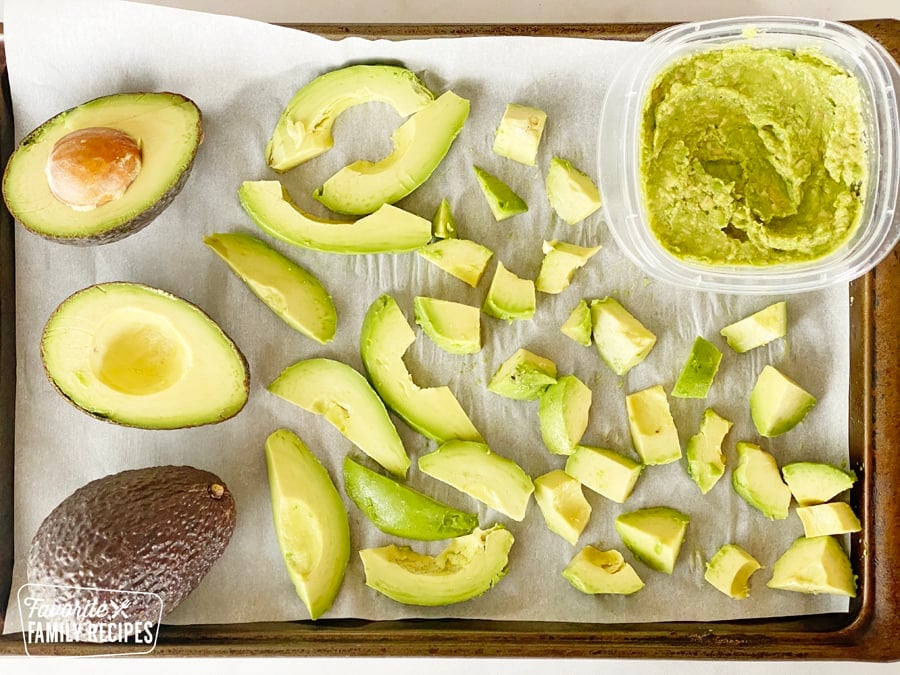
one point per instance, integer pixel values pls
(388, 230)
(578, 326)
(503, 202)
(304, 129)
(290, 291)
(443, 225)
(777, 403)
(559, 264)
(52, 184)
(570, 191)
(562, 503)
(814, 565)
(730, 569)
(524, 376)
(433, 412)
(310, 521)
(705, 459)
(563, 414)
(420, 143)
(756, 330)
(756, 478)
(654, 535)
(468, 567)
(699, 370)
(343, 397)
(593, 571)
(519, 133)
(141, 357)
(464, 259)
(399, 510)
(816, 482)
(452, 326)
(509, 297)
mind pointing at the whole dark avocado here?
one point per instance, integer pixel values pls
(157, 530)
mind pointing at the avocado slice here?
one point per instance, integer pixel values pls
(814, 565)
(730, 569)
(433, 412)
(473, 468)
(606, 472)
(816, 482)
(777, 403)
(563, 413)
(80, 154)
(621, 340)
(503, 202)
(509, 297)
(464, 259)
(443, 225)
(833, 518)
(653, 430)
(420, 143)
(562, 503)
(452, 326)
(578, 326)
(559, 264)
(294, 294)
(654, 535)
(756, 478)
(304, 129)
(757, 329)
(388, 230)
(519, 133)
(571, 192)
(397, 509)
(468, 567)
(705, 460)
(699, 370)
(524, 376)
(310, 521)
(336, 391)
(141, 357)
(595, 572)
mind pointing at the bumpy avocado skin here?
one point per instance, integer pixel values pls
(157, 530)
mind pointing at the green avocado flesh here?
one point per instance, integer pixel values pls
(420, 144)
(469, 566)
(593, 571)
(814, 565)
(699, 370)
(310, 521)
(304, 129)
(578, 326)
(756, 478)
(442, 223)
(452, 326)
(166, 127)
(343, 396)
(524, 376)
(388, 230)
(509, 297)
(705, 459)
(287, 289)
(141, 357)
(503, 202)
(606, 472)
(464, 259)
(563, 414)
(654, 535)
(399, 510)
(730, 569)
(757, 329)
(815, 482)
(777, 403)
(434, 411)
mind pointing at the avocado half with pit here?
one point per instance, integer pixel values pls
(141, 357)
(104, 169)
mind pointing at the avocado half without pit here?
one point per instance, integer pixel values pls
(141, 357)
(104, 169)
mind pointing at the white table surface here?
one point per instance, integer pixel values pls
(481, 11)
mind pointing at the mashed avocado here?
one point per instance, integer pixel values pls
(753, 156)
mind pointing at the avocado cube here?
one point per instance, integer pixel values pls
(816, 482)
(605, 472)
(699, 371)
(653, 430)
(504, 203)
(559, 264)
(571, 192)
(563, 414)
(519, 133)
(814, 565)
(578, 325)
(757, 329)
(729, 571)
(777, 403)
(654, 535)
(443, 226)
(523, 376)
(509, 297)
(757, 480)
(705, 459)
(622, 340)
(464, 259)
(832, 518)
(593, 571)
(562, 503)
(452, 326)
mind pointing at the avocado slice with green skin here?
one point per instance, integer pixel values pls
(777, 403)
(559, 264)
(420, 143)
(524, 376)
(294, 294)
(757, 329)
(388, 230)
(571, 192)
(464, 259)
(509, 297)
(399, 510)
(344, 397)
(310, 521)
(433, 412)
(653, 430)
(596, 572)
(443, 225)
(562, 503)
(578, 326)
(452, 326)
(816, 482)
(473, 468)
(832, 518)
(621, 340)
(468, 567)
(606, 472)
(503, 202)
(563, 414)
(304, 129)
(705, 459)
(654, 535)
(730, 569)
(814, 565)
(519, 133)
(756, 478)
(699, 370)
(167, 130)
(141, 357)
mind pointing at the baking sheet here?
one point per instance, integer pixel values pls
(241, 73)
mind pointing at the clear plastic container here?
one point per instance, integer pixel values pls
(619, 154)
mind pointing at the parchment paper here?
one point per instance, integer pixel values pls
(241, 74)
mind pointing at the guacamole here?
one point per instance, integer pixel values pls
(753, 156)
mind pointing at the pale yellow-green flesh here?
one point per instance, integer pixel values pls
(559, 264)
(344, 398)
(822, 519)
(777, 403)
(452, 326)
(654, 535)
(571, 192)
(464, 259)
(141, 357)
(310, 521)
(562, 503)
(815, 482)
(756, 478)
(653, 429)
(523, 376)
(594, 571)
(563, 414)
(519, 133)
(165, 126)
(816, 565)
(605, 472)
(729, 571)
(621, 340)
(757, 329)
(578, 326)
(509, 297)
(705, 459)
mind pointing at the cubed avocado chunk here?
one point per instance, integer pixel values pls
(578, 326)
(816, 482)
(594, 572)
(443, 225)
(777, 403)
(464, 259)
(699, 370)
(756, 478)
(504, 203)
(571, 192)
(653, 429)
(831, 518)
(562, 503)
(519, 133)
(509, 297)
(452, 326)
(563, 414)
(705, 459)
(622, 340)
(559, 264)
(524, 376)
(654, 535)
(606, 472)
(730, 569)
(814, 565)
(757, 329)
